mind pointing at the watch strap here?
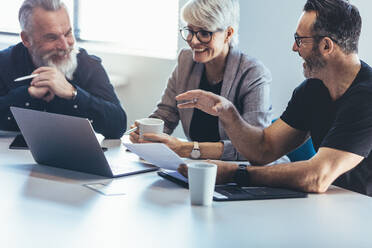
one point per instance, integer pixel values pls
(195, 152)
(241, 176)
(196, 146)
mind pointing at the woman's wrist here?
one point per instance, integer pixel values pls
(208, 150)
(185, 149)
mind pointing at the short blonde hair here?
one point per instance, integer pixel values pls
(213, 15)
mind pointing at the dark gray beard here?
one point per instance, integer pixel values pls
(314, 64)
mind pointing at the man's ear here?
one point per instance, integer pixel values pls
(327, 46)
(25, 39)
(229, 33)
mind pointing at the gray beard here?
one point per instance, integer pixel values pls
(314, 64)
(67, 67)
(313, 68)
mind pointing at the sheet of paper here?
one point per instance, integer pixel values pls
(112, 188)
(111, 143)
(157, 154)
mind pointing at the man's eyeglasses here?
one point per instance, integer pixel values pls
(202, 35)
(298, 39)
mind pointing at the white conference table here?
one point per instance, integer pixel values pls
(42, 206)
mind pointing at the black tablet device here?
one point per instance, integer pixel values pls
(18, 143)
(175, 177)
(232, 192)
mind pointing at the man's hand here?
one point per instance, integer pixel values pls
(41, 93)
(54, 80)
(225, 171)
(206, 101)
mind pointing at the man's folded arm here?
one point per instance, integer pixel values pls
(108, 118)
(314, 175)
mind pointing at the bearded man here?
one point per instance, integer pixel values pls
(332, 106)
(68, 81)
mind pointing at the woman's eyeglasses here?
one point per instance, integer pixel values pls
(202, 35)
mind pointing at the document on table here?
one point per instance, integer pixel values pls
(108, 189)
(157, 154)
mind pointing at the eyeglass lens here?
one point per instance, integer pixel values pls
(202, 35)
(297, 40)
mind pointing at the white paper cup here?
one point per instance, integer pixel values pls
(150, 125)
(202, 179)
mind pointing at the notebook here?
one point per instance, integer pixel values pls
(232, 192)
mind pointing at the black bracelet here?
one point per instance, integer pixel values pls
(241, 176)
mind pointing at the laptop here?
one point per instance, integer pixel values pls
(232, 192)
(69, 142)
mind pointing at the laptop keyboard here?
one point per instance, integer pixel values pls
(229, 191)
(258, 191)
(254, 191)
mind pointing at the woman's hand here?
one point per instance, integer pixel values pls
(173, 143)
(134, 136)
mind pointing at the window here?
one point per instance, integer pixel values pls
(144, 27)
(9, 15)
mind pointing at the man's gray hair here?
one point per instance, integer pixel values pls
(213, 15)
(25, 12)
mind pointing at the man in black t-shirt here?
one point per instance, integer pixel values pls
(333, 107)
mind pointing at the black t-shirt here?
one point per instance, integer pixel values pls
(344, 124)
(204, 127)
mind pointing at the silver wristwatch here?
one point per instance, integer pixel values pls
(195, 153)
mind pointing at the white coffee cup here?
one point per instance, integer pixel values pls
(150, 125)
(202, 179)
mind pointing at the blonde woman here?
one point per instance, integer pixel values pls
(212, 63)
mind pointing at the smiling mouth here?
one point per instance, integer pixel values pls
(57, 56)
(60, 57)
(200, 50)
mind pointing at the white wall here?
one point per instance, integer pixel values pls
(266, 32)
(267, 28)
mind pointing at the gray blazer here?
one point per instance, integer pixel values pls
(246, 83)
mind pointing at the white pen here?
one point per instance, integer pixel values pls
(130, 131)
(26, 77)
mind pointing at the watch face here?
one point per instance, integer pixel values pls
(195, 153)
(242, 166)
